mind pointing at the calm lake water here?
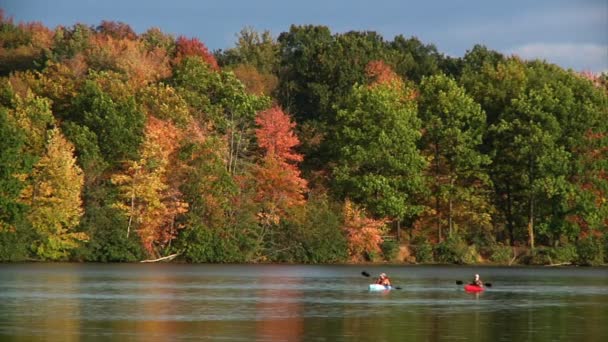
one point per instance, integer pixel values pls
(174, 302)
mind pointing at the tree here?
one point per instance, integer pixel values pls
(129, 57)
(33, 115)
(13, 161)
(53, 195)
(22, 46)
(185, 47)
(528, 155)
(453, 130)
(413, 59)
(113, 115)
(149, 201)
(378, 163)
(116, 30)
(219, 99)
(364, 235)
(154, 38)
(254, 81)
(318, 70)
(69, 42)
(259, 50)
(492, 81)
(278, 181)
(220, 225)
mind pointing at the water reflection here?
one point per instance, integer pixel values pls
(279, 318)
(67, 302)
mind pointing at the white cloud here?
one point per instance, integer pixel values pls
(578, 56)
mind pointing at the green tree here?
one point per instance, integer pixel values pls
(69, 41)
(221, 225)
(379, 164)
(219, 99)
(492, 81)
(453, 130)
(13, 162)
(116, 120)
(259, 50)
(528, 155)
(413, 59)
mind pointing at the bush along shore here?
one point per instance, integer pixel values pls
(305, 146)
(586, 252)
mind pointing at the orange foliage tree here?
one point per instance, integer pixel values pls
(279, 185)
(149, 197)
(380, 73)
(364, 234)
(255, 81)
(130, 57)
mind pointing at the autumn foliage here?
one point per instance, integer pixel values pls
(119, 146)
(379, 72)
(193, 47)
(364, 234)
(127, 56)
(280, 185)
(151, 201)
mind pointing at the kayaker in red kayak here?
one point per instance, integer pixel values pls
(383, 280)
(477, 281)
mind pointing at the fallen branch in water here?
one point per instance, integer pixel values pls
(560, 264)
(167, 258)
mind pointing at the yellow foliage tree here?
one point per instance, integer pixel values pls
(54, 199)
(149, 199)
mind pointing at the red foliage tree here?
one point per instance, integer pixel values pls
(117, 30)
(193, 47)
(278, 178)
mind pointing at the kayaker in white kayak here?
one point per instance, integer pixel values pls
(383, 280)
(477, 281)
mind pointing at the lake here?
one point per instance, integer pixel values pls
(180, 302)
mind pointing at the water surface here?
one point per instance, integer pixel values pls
(150, 302)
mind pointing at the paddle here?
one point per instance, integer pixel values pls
(365, 274)
(459, 282)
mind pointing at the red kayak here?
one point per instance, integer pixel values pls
(473, 288)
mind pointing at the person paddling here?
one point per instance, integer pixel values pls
(477, 281)
(383, 280)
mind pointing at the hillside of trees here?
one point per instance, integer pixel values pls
(312, 147)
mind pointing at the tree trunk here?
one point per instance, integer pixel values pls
(510, 217)
(132, 211)
(450, 206)
(437, 215)
(531, 204)
(398, 230)
(531, 223)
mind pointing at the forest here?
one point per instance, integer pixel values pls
(306, 147)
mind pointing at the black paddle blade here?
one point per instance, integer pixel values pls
(365, 274)
(488, 284)
(397, 287)
(458, 282)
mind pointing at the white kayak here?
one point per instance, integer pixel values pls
(378, 287)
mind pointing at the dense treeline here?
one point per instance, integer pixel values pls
(314, 147)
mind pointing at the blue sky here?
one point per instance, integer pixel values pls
(573, 34)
